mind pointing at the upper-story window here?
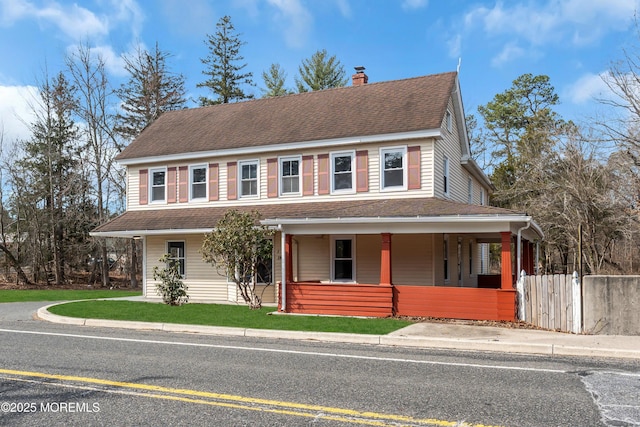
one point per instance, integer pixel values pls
(249, 178)
(482, 201)
(449, 121)
(393, 168)
(445, 176)
(289, 175)
(469, 190)
(158, 187)
(342, 172)
(198, 182)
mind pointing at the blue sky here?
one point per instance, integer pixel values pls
(571, 41)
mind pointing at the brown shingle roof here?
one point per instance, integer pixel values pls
(413, 104)
(207, 217)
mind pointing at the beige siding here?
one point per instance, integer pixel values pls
(202, 279)
(313, 258)
(411, 256)
(373, 152)
(368, 247)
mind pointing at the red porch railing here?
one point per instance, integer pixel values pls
(384, 301)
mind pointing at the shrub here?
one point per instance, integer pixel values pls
(171, 288)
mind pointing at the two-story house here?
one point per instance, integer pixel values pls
(378, 206)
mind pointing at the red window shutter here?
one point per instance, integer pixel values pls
(272, 177)
(323, 174)
(413, 159)
(183, 183)
(144, 186)
(213, 182)
(232, 181)
(172, 190)
(362, 171)
(307, 175)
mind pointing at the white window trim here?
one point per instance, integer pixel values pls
(446, 179)
(333, 155)
(351, 237)
(206, 182)
(470, 190)
(184, 248)
(258, 173)
(166, 179)
(405, 168)
(281, 160)
(449, 120)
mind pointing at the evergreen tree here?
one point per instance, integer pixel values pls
(274, 80)
(320, 72)
(151, 90)
(50, 164)
(224, 66)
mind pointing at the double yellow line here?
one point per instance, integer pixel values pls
(245, 403)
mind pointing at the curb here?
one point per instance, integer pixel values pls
(489, 345)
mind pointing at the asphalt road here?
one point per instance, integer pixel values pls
(65, 375)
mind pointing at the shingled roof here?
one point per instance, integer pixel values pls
(201, 218)
(413, 104)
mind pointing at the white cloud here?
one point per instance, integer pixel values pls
(455, 45)
(510, 52)
(74, 21)
(572, 21)
(344, 7)
(298, 21)
(414, 4)
(129, 12)
(16, 112)
(113, 62)
(585, 89)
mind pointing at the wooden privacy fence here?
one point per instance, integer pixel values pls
(551, 301)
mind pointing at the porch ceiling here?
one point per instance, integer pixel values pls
(392, 215)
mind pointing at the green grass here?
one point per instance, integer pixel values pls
(224, 315)
(23, 295)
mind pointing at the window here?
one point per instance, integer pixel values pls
(342, 172)
(158, 184)
(469, 190)
(393, 173)
(198, 182)
(176, 253)
(343, 262)
(290, 175)
(249, 178)
(445, 257)
(449, 121)
(445, 176)
(482, 197)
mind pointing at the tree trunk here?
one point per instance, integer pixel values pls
(14, 263)
(133, 268)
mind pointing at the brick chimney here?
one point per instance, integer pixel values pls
(359, 78)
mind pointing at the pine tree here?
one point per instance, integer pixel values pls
(320, 72)
(274, 80)
(151, 90)
(51, 161)
(224, 66)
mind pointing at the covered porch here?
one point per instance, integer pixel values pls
(447, 283)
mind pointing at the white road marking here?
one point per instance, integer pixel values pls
(298, 352)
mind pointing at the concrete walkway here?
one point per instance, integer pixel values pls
(425, 335)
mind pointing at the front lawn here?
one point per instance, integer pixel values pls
(224, 315)
(23, 295)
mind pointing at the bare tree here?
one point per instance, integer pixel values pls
(95, 102)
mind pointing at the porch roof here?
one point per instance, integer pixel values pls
(393, 215)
